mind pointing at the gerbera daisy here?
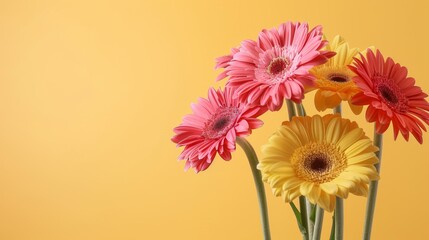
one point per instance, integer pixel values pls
(320, 158)
(334, 79)
(391, 96)
(213, 128)
(276, 66)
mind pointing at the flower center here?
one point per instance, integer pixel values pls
(388, 94)
(318, 162)
(391, 94)
(277, 65)
(220, 122)
(338, 78)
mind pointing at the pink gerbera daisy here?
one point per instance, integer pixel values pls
(391, 96)
(213, 127)
(276, 66)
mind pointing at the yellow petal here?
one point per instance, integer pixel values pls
(333, 131)
(314, 193)
(326, 201)
(362, 158)
(291, 183)
(329, 188)
(318, 129)
(290, 195)
(343, 192)
(306, 188)
(360, 189)
(358, 147)
(350, 138)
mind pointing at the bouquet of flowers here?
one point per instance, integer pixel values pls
(317, 160)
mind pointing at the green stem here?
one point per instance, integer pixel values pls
(332, 237)
(257, 177)
(304, 216)
(310, 218)
(339, 218)
(373, 186)
(318, 223)
(337, 109)
(339, 203)
(298, 218)
(290, 109)
(301, 109)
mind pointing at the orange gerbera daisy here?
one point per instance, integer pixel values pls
(334, 79)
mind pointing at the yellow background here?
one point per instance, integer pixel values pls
(90, 92)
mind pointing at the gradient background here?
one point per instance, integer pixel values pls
(90, 92)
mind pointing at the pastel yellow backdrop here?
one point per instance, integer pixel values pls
(90, 92)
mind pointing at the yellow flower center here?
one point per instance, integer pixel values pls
(318, 162)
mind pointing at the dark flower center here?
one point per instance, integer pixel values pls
(277, 65)
(388, 94)
(221, 123)
(318, 164)
(338, 78)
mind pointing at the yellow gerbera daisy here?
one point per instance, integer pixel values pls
(320, 158)
(334, 79)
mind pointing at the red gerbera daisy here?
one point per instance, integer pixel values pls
(391, 96)
(276, 66)
(213, 127)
